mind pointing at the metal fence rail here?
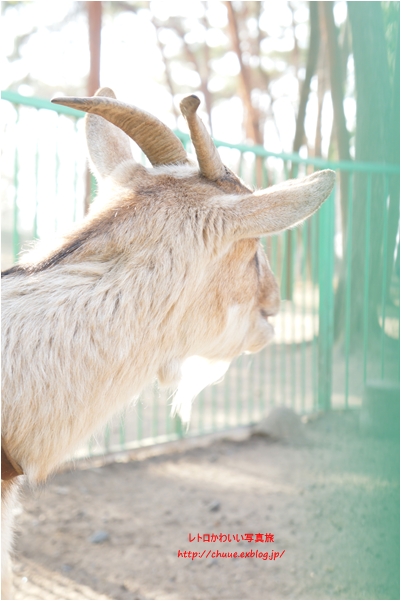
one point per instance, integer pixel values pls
(338, 272)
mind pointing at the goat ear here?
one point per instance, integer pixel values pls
(279, 207)
(108, 145)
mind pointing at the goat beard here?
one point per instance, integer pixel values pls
(196, 374)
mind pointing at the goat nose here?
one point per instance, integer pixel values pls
(271, 309)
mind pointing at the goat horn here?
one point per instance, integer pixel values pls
(156, 140)
(209, 159)
(108, 92)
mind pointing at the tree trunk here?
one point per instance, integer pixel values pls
(337, 82)
(252, 121)
(394, 209)
(373, 136)
(95, 27)
(322, 87)
(337, 94)
(252, 116)
(336, 79)
(311, 64)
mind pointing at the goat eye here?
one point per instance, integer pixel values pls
(257, 262)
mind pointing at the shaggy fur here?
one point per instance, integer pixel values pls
(166, 267)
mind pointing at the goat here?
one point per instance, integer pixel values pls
(167, 266)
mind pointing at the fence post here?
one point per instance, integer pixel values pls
(178, 427)
(326, 301)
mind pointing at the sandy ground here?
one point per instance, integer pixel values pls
(331, 503)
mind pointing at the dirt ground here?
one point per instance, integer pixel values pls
(331, 503)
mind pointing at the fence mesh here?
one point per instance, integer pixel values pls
(338, 272)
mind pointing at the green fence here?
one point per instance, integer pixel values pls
(338, 326)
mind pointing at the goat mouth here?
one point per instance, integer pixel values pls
(265, 314)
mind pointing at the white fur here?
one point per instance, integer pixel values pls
(162, 270)
(196, 374)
